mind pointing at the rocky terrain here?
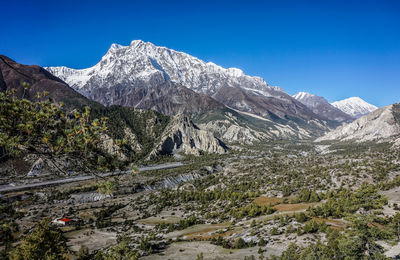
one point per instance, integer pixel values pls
(183, 136)
(241, 204)
(379, 125)
(190, 161)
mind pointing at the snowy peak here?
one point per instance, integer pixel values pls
(354, 106)
(115, 46)
(143, 61)
(309, 99)
(303, 95)
(321, 106)
(143, 75)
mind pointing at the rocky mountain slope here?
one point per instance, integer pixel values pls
(147, 76)
(235, 126)
(141, 128)
(144, 64)
(13, 74)
(381, 124)
(182, 135)
(322, 107)
(354, 106)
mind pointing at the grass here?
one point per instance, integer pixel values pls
(294, 207)
(208, 232)
(202, 229)
(265, 201)
(204, 235)
(159, 220)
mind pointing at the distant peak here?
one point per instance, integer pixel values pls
(139, 42)
(355, 99)
(116, 46)
(354, 106)
(352, 100)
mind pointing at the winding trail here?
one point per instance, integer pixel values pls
(12, 187)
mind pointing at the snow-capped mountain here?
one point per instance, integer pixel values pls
(322, 107)
(354, 106)
(381, 124)
(142, 61)
(134, 70)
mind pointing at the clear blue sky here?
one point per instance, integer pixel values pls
(335, 49)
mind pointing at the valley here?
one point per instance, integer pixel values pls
(254, 201)
(155, 154)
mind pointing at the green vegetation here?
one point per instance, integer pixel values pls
(45, 129)
(253, 196)
(346, 201)
(182, 224)
(45, 242)
(103, 217)
(136, 127)
(238, 243)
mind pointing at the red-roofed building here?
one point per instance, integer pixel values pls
(63, 221)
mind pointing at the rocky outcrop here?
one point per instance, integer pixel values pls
(109, 146)
(239, 127)
(132, 140)
(172, 181)
(234, 133)
(36, 168)
(181, 135)
(381, 124)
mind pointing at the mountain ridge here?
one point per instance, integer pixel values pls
(134, 75)
(319, 105)
(141, 128)
(143, 62)
(380, 125)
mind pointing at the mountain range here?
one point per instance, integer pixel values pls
(141, 66)
(147, 132)
(322, 107)
(234, 107)
(146, 76)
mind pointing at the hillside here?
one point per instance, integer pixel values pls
(140, 128)
(379, 125)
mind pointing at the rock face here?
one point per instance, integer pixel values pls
(107, 144)
(36, 168)
(167, 98)
(244, 128)
(354, 106)
(183, 136)
(381, 124)
(322, 107)
(140, 75)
